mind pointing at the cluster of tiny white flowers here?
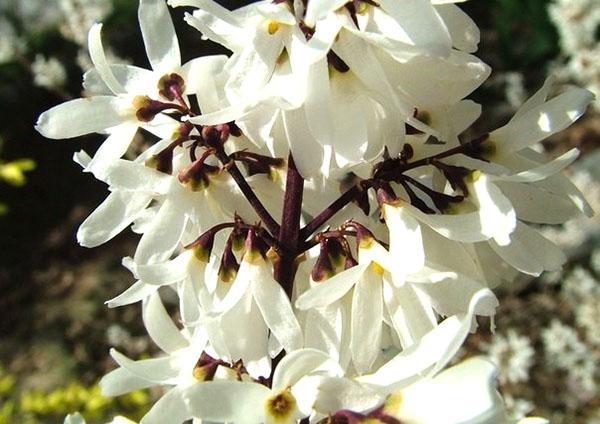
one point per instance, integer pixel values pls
(514, 356)
(49, 73)
(578, 23)
(328, 233)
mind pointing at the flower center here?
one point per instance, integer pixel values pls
(281, 406)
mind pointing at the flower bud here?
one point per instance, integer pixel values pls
(171, 86)
(215, 135)
(202, 246)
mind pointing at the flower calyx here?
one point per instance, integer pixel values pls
(197, 175)
(229, 265)
(163, 160)
(215, 135)
(258, 164)
(255, 248)
(146, 108)
(206, 367)
(172, 87)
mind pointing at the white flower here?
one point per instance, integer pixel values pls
(182, 366)
(255, 306)
(291, 396)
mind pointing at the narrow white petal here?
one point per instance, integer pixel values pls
(463, 31)
(367, 318)
(465, 393)
(160, 327)
(127, 175)
(336, 394)
(411, 315)
(157, 370)
(296, 365)
(462, 227)
(530, 253)
(222, 116)
(534, 204)
(328, 291)
(113, 148)
(99, 60)
(543, 171)
(227, 401)
(435, 349)
(165, 272)
(406, 242)
(535, 101)
(318, 105)
(317, 10)
(541, 122)
(497, 214)
(121, 381)
(164, 235)
(113, 215)
(216, 23)
(421, 23)
(307, 153)
(162, 46)
(171, 408)
(276, 309)
(138, 291)
(199, 74)
(83, 116)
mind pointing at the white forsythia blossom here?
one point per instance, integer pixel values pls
(330, 235)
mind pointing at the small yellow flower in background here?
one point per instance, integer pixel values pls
(13, 172)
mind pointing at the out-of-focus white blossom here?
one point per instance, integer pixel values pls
(48, 73)
(577, 22)
(513, 354)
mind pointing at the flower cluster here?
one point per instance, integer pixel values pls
(330, 233)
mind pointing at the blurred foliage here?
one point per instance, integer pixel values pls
(38, 407)
(526, 36)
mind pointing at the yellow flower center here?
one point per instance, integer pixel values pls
(280, 408)
(272, 27)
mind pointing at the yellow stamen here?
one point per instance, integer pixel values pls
(272, 27)
(377, 269)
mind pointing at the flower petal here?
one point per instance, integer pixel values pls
(165, 272)
(227, 401)
(162, 46)
(113, 215)
(83, 116)
(121, 381)
(138, 291)
(161, 328)
(171, 408)
(465, 393)
(99, 60)
(296, 365)
(541, 122)
(164, 235)
(367, 318)
(327, 292)
(157, 370)
(276, 310)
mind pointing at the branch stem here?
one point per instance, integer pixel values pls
(289, 233)
(245, 188)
